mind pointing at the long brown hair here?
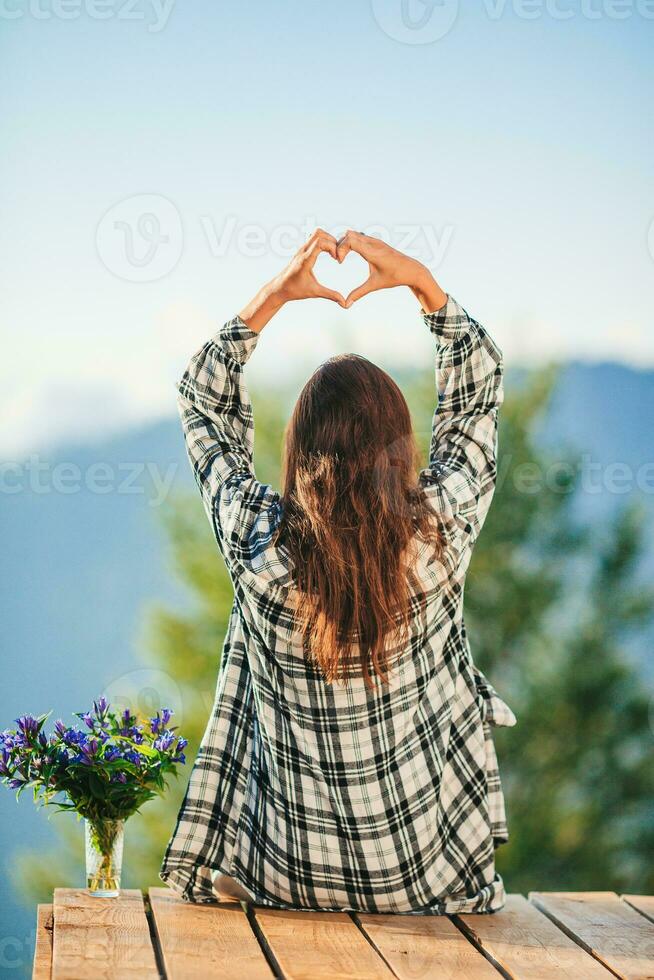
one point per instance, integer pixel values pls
(352, 506)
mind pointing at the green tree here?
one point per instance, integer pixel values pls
(549, 610)
(580, 766)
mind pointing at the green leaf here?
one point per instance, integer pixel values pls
(97, 786)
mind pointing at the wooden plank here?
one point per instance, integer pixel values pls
(617, 935)
(320, 946)
(642, 903)
(101, 937)
(206, 941)
(43, 947)
(421, 947)
(525, 944)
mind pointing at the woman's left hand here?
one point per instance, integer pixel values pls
(296, 281)
(387, 266)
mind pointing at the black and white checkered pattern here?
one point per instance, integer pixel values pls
(314, 795)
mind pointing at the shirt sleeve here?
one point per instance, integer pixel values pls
(462, 460)
(218, 426)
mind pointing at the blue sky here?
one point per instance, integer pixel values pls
(158, 164)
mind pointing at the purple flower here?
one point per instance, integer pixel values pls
(4, 768)
(27, 724)
(88, 753)
(111, 753)
(164, 741)
(127, 717)
(17, 783)
(73, 737)
(179, 750)
(118, 777)
(135, 732)
(159, 722)
(100, 706)
(28, 729)
(132, 756)
(7, 739)
(60, 728)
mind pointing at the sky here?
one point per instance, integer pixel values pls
(161, 161)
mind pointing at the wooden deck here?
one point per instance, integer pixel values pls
(583, 936)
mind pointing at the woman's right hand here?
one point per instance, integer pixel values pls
(296, 281)
(389, 268)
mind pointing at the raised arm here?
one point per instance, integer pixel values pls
(462, 458)
(217, 417)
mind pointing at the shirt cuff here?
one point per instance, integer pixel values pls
(236, 339)
(448, 323)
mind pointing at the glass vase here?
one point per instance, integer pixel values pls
(104, 856)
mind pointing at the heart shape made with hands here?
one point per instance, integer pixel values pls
(344, 276)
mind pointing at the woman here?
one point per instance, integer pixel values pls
(348, 762)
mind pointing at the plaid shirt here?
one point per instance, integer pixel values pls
(317, 795)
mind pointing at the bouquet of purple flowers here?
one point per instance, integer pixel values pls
(104, 771)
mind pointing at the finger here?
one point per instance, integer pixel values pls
(322, 243)
(319, 235)
(342, 248)
(352, 241)
(369, 286)
(322, 292)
